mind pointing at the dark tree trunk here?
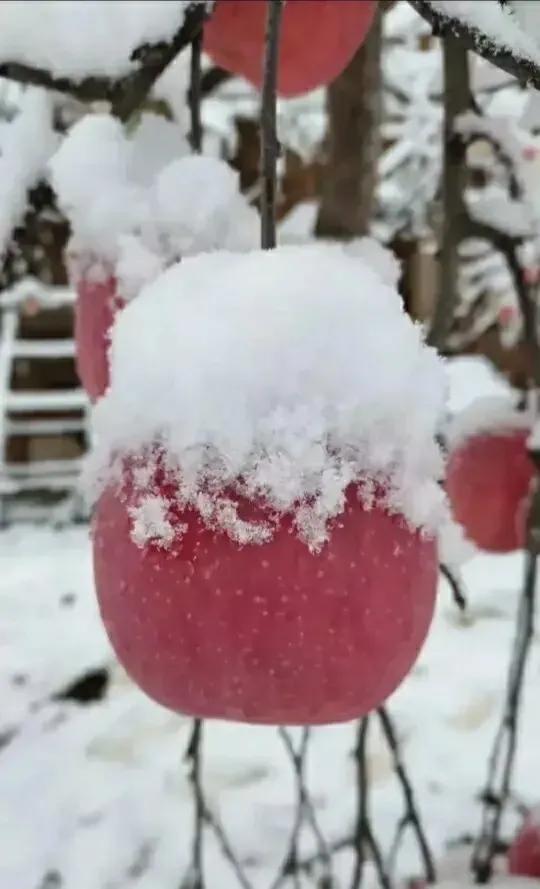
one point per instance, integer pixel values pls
(457, 100)
(353, 146)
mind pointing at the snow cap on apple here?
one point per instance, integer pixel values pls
(268, 482)
(136, 204)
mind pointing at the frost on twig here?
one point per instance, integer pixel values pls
(489, 30)
(125, 90)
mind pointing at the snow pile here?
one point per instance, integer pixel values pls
(280, 376)
(138, 203)
(78, 40)
(515, 28)
(379, 258)
(493, 414)
(298, 227)
(26, 144)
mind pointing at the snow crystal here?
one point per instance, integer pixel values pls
(149, 522)
(26, 145)
(140, 202)
(490, 414)
(77, 40)
(280, 376)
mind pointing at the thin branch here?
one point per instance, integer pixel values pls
(455, 586)
(269, 141)
(127, 93)
(412, 814)
(362, 790)
(194, 878)
(471, 38)
(508, 246)
(205, 817)
(212, 79)
(194, 94)
(497, 792)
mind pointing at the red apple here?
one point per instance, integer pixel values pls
(524, 853)
(488, 482)
(95, 308)
(263, 633)
(318, 39)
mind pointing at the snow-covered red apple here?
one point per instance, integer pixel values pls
(524, 852)
(318, 38)
(265, 533)
(95, 308)
(135, 206)
(489, 475)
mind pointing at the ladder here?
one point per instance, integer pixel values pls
(39, 413)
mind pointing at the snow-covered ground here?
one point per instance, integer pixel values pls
(96, 796)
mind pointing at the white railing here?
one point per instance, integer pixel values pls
(18, 407)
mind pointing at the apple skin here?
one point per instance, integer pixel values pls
(95, 309)
(265, 633)
(488, 482)
(524, 853)
(318, 39)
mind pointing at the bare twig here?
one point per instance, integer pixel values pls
(364, 838)
(195, 93)
(472, 38)
(127, 93)
(497, 791)
(412, 814)
(269, 141)
(305, 813)
(361, 829)
(194, 879)
(508, 247)
(455, 586)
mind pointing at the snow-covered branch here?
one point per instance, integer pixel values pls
(491, 33)
(125, 92)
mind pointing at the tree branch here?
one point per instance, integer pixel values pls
(457, 99)
(269, 141)
(127, 93)
(472, 38)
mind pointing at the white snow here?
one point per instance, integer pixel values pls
(93, 791)
(382, 260)
(78, 40)
(138, 202)
(298, 227)
(498, 24)
(273, 368)
(489, 414)
(26, 144)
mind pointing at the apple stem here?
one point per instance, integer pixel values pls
(268, 128)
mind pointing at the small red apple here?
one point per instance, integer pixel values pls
(318, 39)
(95, 308)
(524, 853)
(264, 633)
(488, 480)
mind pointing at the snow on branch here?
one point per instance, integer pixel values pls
(489, 30)
(98, 56)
